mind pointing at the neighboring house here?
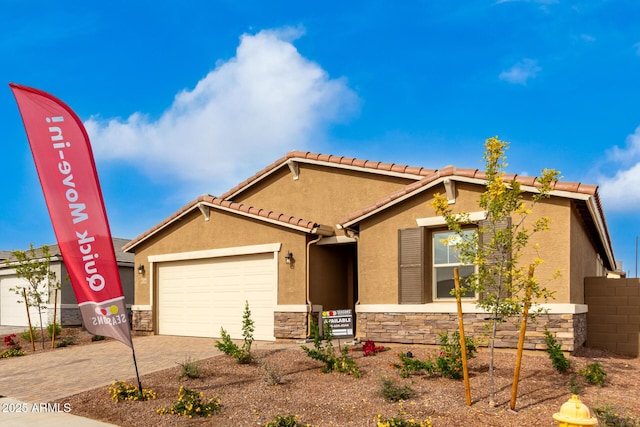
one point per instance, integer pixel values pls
(312, 233)
(13, 313)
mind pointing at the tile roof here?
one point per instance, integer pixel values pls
(595, 221)
(239, 208)
(411, 172)
(423, 179)
(462, 174)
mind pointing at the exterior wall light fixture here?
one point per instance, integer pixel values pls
(288, 258)
(141, 269)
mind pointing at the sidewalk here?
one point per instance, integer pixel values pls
(29, 383)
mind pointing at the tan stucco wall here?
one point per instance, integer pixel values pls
(226, 230)
(584, 259)
(555, 249)
(320, 194)
(378, 242)
(378, 247)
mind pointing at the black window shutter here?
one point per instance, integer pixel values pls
(411, 265)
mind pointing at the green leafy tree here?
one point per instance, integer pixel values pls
(497, 245)
(35, 268)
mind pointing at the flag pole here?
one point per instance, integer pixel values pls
(135, 363)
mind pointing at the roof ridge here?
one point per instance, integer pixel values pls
(240, 208)
(454, 171)
(374, 166)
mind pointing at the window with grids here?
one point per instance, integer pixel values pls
(445, 259)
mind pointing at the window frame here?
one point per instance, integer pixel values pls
(434, 277)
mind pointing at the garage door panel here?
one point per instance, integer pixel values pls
(13, 312)
(197, 297)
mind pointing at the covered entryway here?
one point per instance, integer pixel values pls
(196, 297)
(333, 277)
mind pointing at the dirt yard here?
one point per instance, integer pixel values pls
(335, 399)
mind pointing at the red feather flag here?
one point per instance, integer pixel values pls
(64, 161)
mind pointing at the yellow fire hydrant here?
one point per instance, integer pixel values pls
(574, 413)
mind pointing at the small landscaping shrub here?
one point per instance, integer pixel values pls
(412, 366)
(285, 421)
(123, 390)
(449, 361)
(50, 329)
(65, 341)
(594, 374)
(575, 386)
(11, 352)
(558, 359)
(14, 350)
(610, 416)
(95, 338)
(369, 348)
(191, 403)
(190, 368)
(272, 376)
(326, 353)
(228, 347)
(392, 392)
(10, 341)
(399, 421)
(25, 334)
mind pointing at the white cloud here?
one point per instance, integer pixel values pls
(619, 192)
(587, 38)
(521, 72)
(247, 112)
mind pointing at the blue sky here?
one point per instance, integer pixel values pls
(192, 99)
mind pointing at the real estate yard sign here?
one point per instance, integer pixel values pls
(340, 321)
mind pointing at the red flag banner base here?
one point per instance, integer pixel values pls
(107, 318)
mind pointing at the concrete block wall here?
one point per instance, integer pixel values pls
(614, 314)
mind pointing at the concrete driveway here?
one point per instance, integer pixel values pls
(30, 381)
(43, 377)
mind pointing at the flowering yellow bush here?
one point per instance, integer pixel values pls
(191, 403)
(400, 422)
(122, 390)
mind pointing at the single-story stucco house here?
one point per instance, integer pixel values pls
(13, 313)
(313, 233)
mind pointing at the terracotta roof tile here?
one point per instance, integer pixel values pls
(527, 180)
(469, 173)
(371, 164)
(347, 161)
(588, 189)
(452, 171)
(418, 172)
(567, 186)
(240, 208)
(447, 171)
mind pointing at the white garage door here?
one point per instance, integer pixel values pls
(12, 312)
(197, 297)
